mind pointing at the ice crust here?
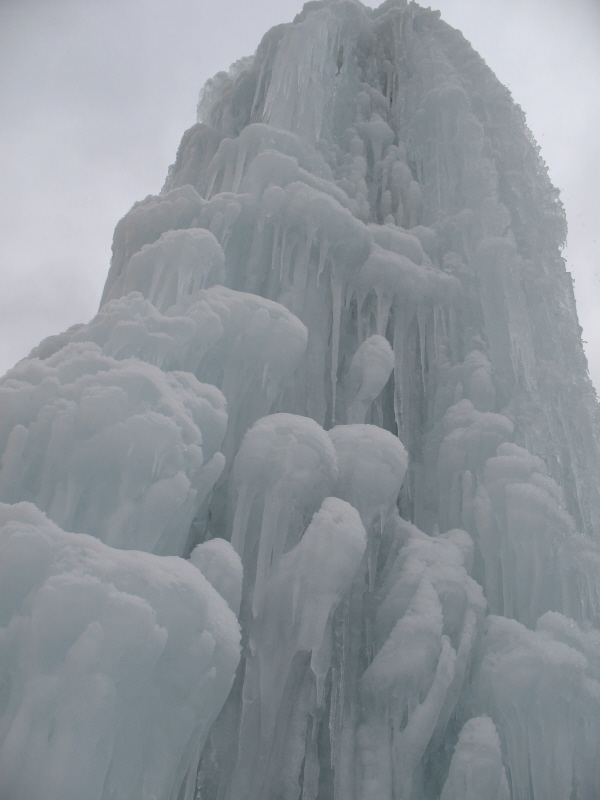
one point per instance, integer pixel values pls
(337, 365)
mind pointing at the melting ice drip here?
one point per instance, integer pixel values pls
(307, 510)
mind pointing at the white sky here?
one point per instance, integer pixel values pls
(97, 93)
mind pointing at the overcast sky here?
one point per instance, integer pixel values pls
(96, 95)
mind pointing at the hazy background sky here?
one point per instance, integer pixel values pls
(97, 93)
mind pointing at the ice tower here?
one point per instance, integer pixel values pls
(309, 510)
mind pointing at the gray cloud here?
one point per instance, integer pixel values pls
(97, 95)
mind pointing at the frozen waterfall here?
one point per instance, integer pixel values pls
(310, 509)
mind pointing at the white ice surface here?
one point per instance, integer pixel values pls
(476, 770)
(303, 591)
(534, 559)
(370, 368)
(371, 466)
(114, 665)
(117, 449)
(222, 568)
(285, 467)
(177, 264)
(542, 690)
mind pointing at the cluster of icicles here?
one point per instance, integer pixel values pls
(209, 589)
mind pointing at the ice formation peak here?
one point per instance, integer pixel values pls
(337, 367)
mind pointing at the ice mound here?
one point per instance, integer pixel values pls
(389, 276)
(372, 463)
(529, 544)
(254, 359)
(542, 690)
(370, 369)
(284, 469)
(177, 264)
(144, 224)
(221, 566)
(416, 661)
(470, 438)
(476, 769)
(117, 449)
(429, 613)
(114, 665)
(303, 592)
(130, 326)
(247, 346)
(393, 237)
(234, 156)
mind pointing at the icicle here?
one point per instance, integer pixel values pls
(463, 660)
(239, 165)
(228, 169)
(401, 384)
(156, 282)
(384, 303)
(211, 184)
(374, 544)
(422, 327)
(323, 253)
(336, 298)
(468, 493)
(277, 234)
(311, 763)
(257, 91)
(361, 296)
(301, 268)
(273, 510)
(410, 743)
(346, 750)
(283, 271)
(453, 336)
(240, 521)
